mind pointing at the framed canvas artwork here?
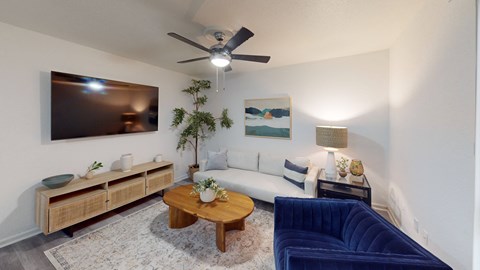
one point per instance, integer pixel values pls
(269, 118)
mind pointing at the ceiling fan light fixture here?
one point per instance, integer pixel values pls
(220, 59)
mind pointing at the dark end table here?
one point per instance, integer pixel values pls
(349, 187)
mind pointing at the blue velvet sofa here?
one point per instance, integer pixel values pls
(342, 234)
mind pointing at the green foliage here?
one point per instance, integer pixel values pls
(210, 183)
(342, 164)
(197, 125)
(95, 166)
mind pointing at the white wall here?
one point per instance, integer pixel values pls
(476, 224)
(350, 91)
(432, 119)
(26, 153)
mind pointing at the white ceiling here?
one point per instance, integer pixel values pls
(290, 31)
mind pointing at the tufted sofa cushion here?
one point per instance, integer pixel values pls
(342, 234)
(365, 232)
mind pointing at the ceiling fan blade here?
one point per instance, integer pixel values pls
(227, 68)
(188, 41)
(253, 58)
(193, 60)
(240, 37)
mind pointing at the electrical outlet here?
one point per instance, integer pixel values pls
(425, 236)
(415, 225)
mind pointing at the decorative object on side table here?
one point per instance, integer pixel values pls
(126, 162)
(331, 138)
(342, 165)
(91, 169)
(356, 167)
(197, 125)
(209, 190)
(57, 181)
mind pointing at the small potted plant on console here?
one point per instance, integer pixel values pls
(91, 169)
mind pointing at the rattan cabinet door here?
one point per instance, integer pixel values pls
(159, 180)
(76, 209)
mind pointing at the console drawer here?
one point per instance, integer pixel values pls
(78, 207)
(157, 181)
(125, 191)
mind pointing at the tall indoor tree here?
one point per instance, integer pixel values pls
(197, 125)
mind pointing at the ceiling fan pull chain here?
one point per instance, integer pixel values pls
(217, 79)
(224, 82)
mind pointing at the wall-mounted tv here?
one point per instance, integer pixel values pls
(83, 106)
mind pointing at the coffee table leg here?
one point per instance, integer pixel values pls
(180, 219)
(222, 228)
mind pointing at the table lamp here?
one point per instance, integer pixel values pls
(331, 138)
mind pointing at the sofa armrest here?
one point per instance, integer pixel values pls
(203, 165)
(312, 258)
(311, 182)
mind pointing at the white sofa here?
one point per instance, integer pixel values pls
(260, 176)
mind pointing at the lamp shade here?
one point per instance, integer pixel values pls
(329, 136)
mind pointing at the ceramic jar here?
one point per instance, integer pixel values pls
(126, 162)
(208, 195)
(356, 167)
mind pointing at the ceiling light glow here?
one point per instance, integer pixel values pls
(220, 59)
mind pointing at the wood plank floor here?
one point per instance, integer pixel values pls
(28, 254)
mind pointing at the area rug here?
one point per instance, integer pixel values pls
(143, 240)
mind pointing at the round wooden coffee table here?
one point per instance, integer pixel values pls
(184, 210)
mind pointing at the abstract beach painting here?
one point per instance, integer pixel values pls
(268, 118)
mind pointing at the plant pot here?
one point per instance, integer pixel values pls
(208, 195)
(191, 170)
(342, 173)
(89, 175)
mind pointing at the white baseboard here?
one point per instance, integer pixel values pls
(34, 231)
(385, 208)
(19, 237)
(181, 177)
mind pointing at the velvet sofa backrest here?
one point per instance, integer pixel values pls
(365, 231)
(309, 215)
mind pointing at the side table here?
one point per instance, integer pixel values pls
(349, 187)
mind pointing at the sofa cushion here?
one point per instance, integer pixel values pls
(271, 164)
(305, 239)
(295, 174)
(365, 232)
(260, 186)
(242, 160)
(216, 160)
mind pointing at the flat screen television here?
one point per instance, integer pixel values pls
(83, 106)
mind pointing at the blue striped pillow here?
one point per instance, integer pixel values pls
(295, 174)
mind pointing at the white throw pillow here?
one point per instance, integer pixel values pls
(295, 174)
(242, 160)
(271, 164)
(216, 160)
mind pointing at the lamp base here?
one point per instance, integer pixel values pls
(331, 168)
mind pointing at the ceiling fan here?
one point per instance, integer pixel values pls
(221, 55)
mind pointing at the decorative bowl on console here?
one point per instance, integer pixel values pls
(57, 181)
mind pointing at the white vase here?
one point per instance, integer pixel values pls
(208, 195)
(126, 162)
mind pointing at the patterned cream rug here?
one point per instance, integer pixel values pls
(143, 240)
